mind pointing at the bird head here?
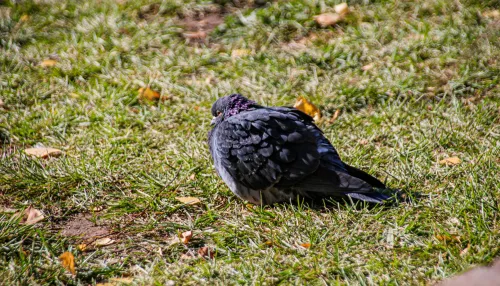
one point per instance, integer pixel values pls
(230, 105)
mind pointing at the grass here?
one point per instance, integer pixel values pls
(416, 82)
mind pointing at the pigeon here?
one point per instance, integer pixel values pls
(268, 155)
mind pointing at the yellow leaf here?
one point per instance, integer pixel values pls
(48, 63)
(450, 161)
(68, 261)
(341, 8)
(31, 216)
(82, 247)
(305, 245)
(328, 19)
(238, 53)
(43, 152)
(448, 237)
(186, 236)
(24, 18)
(149, 94)
(188, 200)
(307, 107)
(104, 241)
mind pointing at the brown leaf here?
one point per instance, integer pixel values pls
(68, 261)
(199, 35)
(1, 103)
(307, 107)
(448, 237)
(328, 19)
(188, 200)
(104, 241)
(335, 116)
(363, 142)
(206, 252)
(305, 245)
(7, 210)
(186, 236)
(450, 161)
(48, 63)
(31, 216)
(43, 152)
(341, 9)
(187, 256)
(149, 94)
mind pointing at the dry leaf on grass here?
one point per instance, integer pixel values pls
(81, 247)
(186, 236)
(104, 241)
(367, 67)
(148, 94)
(68, 261)
(492, 14)
(206, 252)
(43, 152)
(199, 35)
(7, 210)
(307, 107)
(448, 237)
(117, 281)
(24, 18)
(188, 200)
(341, 8)
(305, 245)
(335, 116)
(450, 161)
(48, 63)
(238, 53)
(328, 19)
(465, 250)
(31, 216)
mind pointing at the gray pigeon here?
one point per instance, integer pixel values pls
(275, 154)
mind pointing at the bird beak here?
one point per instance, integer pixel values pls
(212, 123)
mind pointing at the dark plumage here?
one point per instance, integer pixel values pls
(274, 154)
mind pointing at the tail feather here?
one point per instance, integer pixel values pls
(355, 172)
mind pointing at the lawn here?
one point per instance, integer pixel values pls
(414, 82)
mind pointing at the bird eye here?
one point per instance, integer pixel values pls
(218, 113)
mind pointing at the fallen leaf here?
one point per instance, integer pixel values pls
(43, 152)
(305, 245)
(193, 176)
(465, 250)
(48, 63)
(268, 243)
(206, 252)
(341, 8)
(328, 19)
(307, 107)
(199, 35)
(68, 261)
(24, 18)
(238, 53)
(186, 236)
(450, 161)
(367, 67)
(188, 200)
(187, 256)
(448, 237)
(31, 216)
(492, 14)
(104, 241)
(149, 94)
(1, 102)
(335, 116)
(117, 281)
(363, 142)
(81, 247)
